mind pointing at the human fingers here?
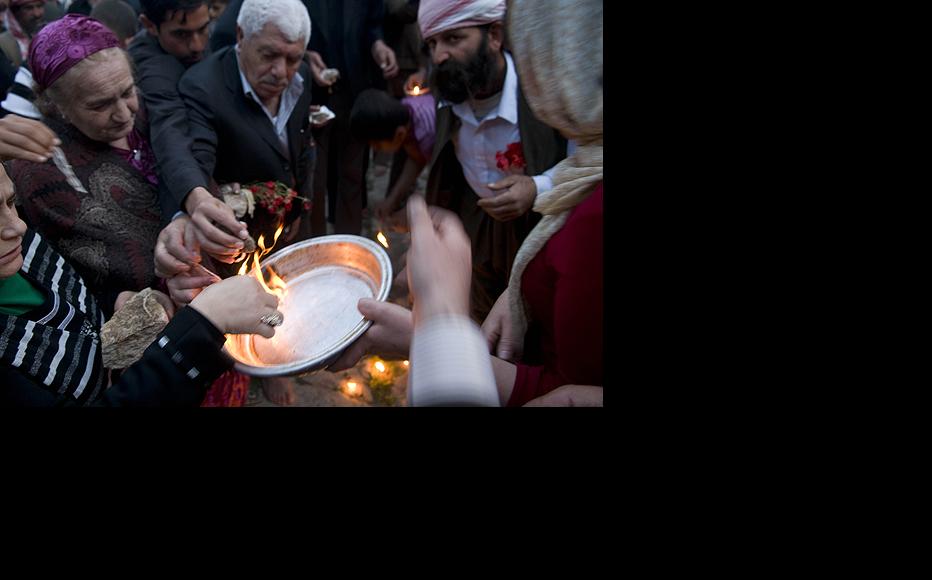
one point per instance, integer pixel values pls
(20, 133)
(178, 245)
(165, 301)
(419, 219)
(349, 357)
(503, 183)
(220, 213)
(212, 238)
(167, 265)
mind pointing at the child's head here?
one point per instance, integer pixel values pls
(379, 119)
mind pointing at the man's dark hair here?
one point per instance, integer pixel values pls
(158, 11)
(118, 16)
(376, 115)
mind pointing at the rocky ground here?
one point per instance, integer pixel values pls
(374, 388)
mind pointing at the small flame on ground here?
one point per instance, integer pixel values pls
(382, 239)
(352, 388)
(405, 363)
(380, 366)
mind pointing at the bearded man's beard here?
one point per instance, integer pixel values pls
(457, 82)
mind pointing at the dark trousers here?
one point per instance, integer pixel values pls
(494, 245)
(340, 173)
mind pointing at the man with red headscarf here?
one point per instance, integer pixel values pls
(22, 20)
(491, 157)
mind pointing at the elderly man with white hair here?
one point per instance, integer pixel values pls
(248, 108)
(492, 157)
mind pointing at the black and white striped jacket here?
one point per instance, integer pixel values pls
(51, 355)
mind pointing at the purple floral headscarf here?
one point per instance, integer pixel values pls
(64, 43)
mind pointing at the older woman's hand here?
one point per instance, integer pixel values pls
(237, 306)
(176, 248)
(27, 139)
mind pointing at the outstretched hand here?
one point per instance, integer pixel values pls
(176, 248)
(236, 306)
(439, 261)
(389, 336)
(207, 213)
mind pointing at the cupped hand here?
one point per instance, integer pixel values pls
(388, 337)
(516, 196)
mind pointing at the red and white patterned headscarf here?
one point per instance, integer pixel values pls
(435, 16)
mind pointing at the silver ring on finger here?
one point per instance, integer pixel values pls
(273, 319)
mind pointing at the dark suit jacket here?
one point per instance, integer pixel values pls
(158, 74)
(362, 26)
(233, 139)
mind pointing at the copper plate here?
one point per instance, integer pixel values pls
(325, 279)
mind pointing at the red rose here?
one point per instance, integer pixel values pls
(511, 157)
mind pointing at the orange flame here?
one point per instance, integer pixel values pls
(416, 90)
(382, 239)
(276, 285)
(380, 366)
(352, 388)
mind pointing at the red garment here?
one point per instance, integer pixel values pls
(229, 390)
(562, 285)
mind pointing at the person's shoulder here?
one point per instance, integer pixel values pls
(206, 74)
(143, 45)
(587, 217)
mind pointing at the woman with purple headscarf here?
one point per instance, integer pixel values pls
(85, 89)
(105, 219)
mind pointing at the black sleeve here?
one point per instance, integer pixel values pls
(7, 74)
(201, 130)
(176, 369)
(178, 171)
(374, 16)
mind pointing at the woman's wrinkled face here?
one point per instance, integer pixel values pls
(99, 96)
(12, 229)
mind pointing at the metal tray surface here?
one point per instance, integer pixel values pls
(325, 277)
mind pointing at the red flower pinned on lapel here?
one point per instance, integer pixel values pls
(511, 159)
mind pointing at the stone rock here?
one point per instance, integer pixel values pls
(132, 329)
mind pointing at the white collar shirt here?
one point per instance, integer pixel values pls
(477, 142)
(289, 100)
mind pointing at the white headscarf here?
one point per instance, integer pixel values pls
(557, 49)
(435, 16)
